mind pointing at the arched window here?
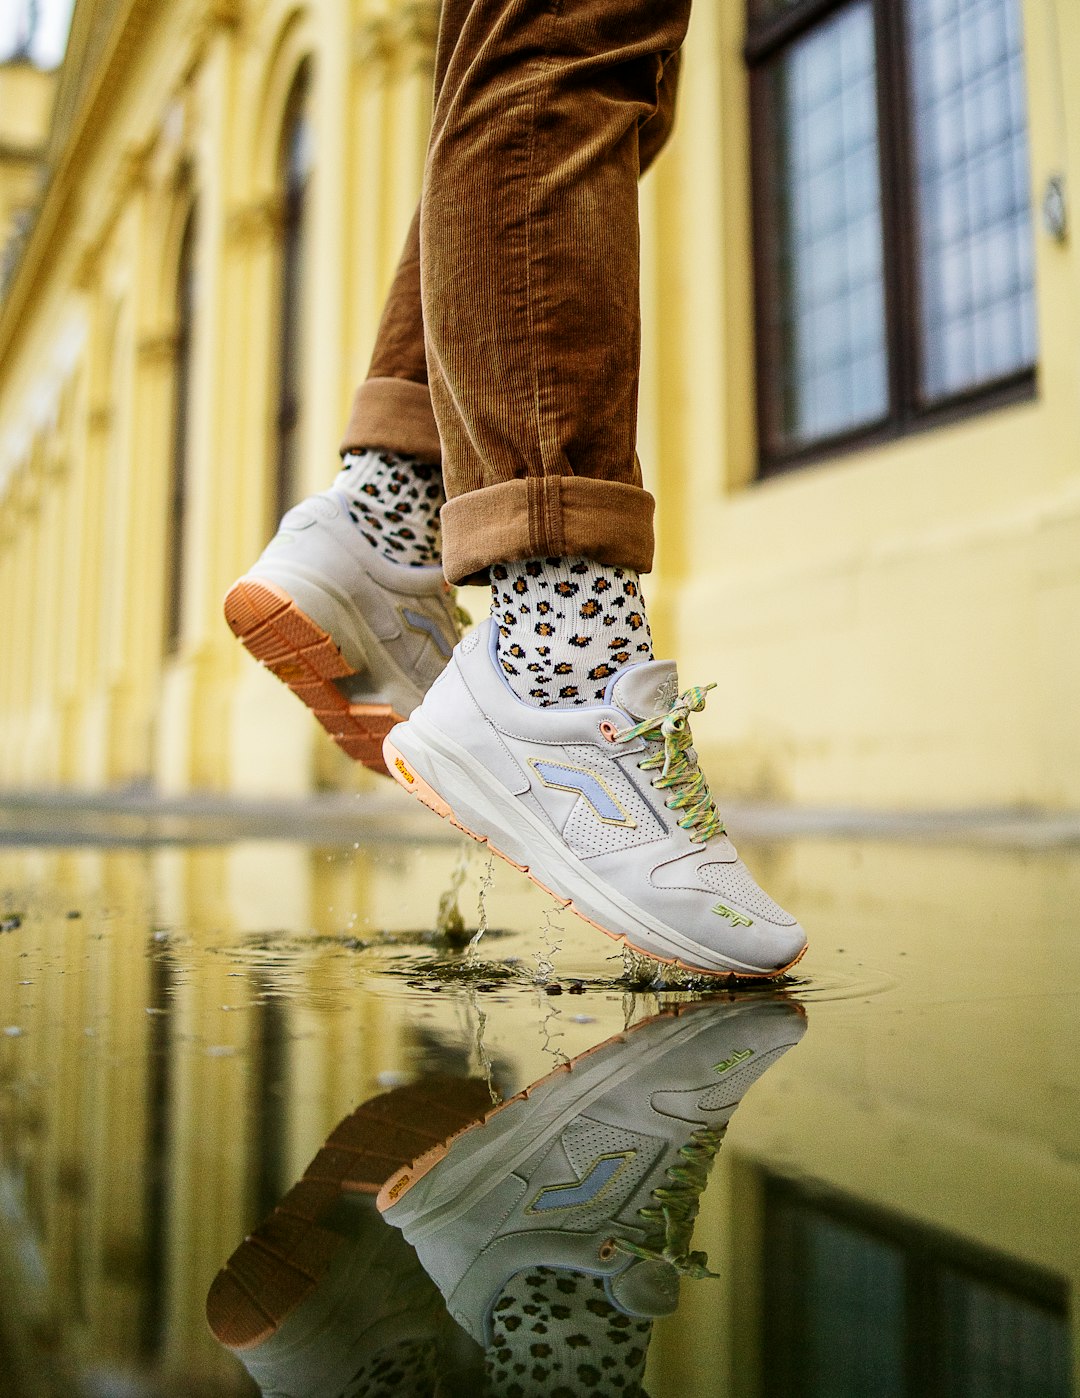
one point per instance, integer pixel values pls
(178, 484)
(295, 165)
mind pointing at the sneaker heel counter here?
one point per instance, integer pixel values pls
(442, 688)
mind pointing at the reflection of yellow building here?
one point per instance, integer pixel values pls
(184, 1047)
(894, 624)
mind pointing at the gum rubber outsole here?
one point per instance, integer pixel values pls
(302, 655)
(277, 1267)
(413, 783)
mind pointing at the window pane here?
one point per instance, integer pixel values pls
(999, 1345)
(975, 233)
(827, 324)
(835, 1294)
(854, 1313)
(765, 9)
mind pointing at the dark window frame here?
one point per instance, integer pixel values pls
(766, 38)
(176, 521)
(294, 208)
(928, 1255)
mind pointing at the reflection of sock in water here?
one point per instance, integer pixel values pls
(405, 1370)
(556, 1335)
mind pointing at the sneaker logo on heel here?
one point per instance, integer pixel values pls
(399, 1186)
(404, 770)
(736, 919)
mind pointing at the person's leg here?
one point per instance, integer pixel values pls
(544, 117)
(550, 654)
(529, 274)
(552, 734)
(304, 609)
(391, 470)
(391, 410)
(347, 604)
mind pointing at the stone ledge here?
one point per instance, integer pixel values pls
(141, 816)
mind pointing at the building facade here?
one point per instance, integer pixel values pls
(860, 386)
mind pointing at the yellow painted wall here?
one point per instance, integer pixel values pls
(900, 626)
(897, 627)
(26, 95)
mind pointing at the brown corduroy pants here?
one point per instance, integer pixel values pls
(509, 346)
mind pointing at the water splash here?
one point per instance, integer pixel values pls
(551, 934)
(483, 1064)
(449, 923)
(487, 878)
(642, 972)
(548, 1043)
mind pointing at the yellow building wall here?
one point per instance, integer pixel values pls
(26, 95)
(896, 627)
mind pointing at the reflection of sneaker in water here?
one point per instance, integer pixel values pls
(604, 805)
(323, 1297)
(595, 1170)
(356, 636)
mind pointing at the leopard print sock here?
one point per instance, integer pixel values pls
(556, 1335)
(394, 501)
(407, 1369)
(566, 625)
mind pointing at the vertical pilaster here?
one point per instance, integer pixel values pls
(90, 503)
(8, 622)
(218, 353)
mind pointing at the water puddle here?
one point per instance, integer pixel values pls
(263, 1105)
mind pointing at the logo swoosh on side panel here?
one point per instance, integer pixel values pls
(416, 621)
(591, 788)
(593, 1182)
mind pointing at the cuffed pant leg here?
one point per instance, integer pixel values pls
(392, 408)
(529, 274)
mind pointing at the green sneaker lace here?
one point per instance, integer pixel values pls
(679, 770)
(671, 1220)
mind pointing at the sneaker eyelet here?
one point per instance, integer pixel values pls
(607, 1250)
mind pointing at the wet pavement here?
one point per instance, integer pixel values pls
(220, 1044)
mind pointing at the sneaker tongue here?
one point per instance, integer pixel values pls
(643, 691)
(647, 1288)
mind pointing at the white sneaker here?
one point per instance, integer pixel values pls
(597, 1168)
(358, 638)
(604, 806)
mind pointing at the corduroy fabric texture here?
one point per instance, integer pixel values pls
(516, 301)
